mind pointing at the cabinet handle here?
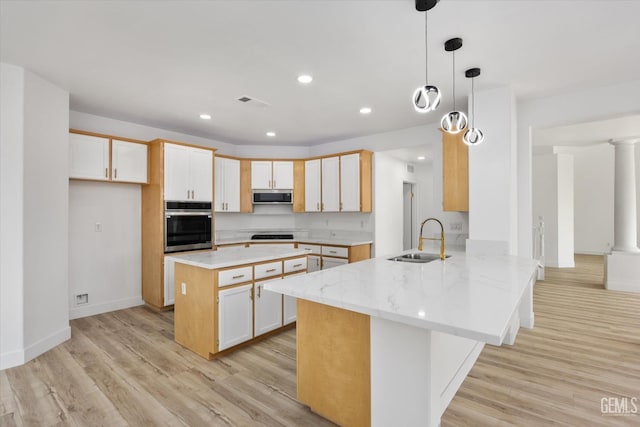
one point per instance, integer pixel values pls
(222, 206)
(193, 194)
(115, 173)
(238, 276)
(340, 205)
(297, 265)
(318, 206)
(271, 270)
(274, 183)
(322, 206)
(259, 286)
(106, 172)
(332, 252)
(187, 194)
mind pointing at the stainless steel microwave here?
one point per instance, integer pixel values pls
(272, 197)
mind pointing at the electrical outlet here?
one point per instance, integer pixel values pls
(97, 227)
(455, 226)
(82, 299)
(183, 288)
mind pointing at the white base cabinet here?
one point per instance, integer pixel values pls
(169, 274)
(313, 263)
(235, 317)
(268, 309)
(289, 310)
(333, 262)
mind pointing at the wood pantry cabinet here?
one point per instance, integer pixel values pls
(105, 158)
(217, 309)
(340, 183)
(154, 271)
(268, 174)
(455, 173)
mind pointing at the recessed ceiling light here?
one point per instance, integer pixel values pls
(420, 157)
(365, 110)
(305, 79)
(272, 134)
(205, 116)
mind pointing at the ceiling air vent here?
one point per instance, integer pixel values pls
(253, 102)
(410, 168)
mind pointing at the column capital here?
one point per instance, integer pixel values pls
(626, 141)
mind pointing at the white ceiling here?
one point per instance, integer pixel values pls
(162, 63)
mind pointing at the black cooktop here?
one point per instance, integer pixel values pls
(272, 237)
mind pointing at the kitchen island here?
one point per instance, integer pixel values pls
(383, 342)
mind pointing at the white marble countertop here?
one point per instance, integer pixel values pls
(230, 257)
(468, 296)
(312, 240)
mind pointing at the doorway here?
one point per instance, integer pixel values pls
(408, 215)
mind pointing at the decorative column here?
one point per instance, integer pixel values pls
(625, 222)
(622, 265)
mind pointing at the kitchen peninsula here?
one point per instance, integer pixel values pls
(383, 342)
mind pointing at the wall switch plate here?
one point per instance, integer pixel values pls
(183, 288)
(97, 227)
(82, 299)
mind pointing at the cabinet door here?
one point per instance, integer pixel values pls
(283, 175)
(260, 175)
(235, 317)
(176, 172)
(169, 279)
(88, 157)
(350, 183)
(219, 183)
(312, 186)
(128, 161)
(268, 309)
(289, 306)
(200, 174)
(333, 262)
(313, 263)
(331, 184)
(232, 185)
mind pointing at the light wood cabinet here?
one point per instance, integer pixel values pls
(103, 158)
(227, 185)
(187, 173)
(267, 174)
(455, 173)
(235, 319)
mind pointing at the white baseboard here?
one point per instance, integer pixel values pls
(22, 356)
(93, 309)
(11, 359)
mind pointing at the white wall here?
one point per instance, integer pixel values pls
(11, 215)
(34, 176)
(565, 211)
(106, 265)
(545, 202)
(594, 199)
(591, 104)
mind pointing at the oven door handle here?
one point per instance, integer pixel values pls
(170, 214)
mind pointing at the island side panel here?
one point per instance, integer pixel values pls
(194, 313)
(333, 363)
(359, 252)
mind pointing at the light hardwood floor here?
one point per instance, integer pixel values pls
(123, 368)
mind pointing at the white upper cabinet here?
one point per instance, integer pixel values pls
(282, 175)
(312, 196)
(331, 184)
(88, 157)
(260, 175)
(350, 183)
(128, 161)
(271, 175)
(227, 185)
(187, 173)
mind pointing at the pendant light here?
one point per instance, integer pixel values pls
(473, 135)
(455, 121)
(426, 98)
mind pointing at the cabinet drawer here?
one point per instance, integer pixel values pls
(313, 249)
(296, 264)
(335, 251)
(268, 270)
(235, 275)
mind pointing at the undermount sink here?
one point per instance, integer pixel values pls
(419, 257)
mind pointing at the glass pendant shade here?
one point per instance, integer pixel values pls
(473, 136)
(454, 122)
(426, 99)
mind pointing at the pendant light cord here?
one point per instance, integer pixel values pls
(453, 75)
(473, 103)
(426, 49)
